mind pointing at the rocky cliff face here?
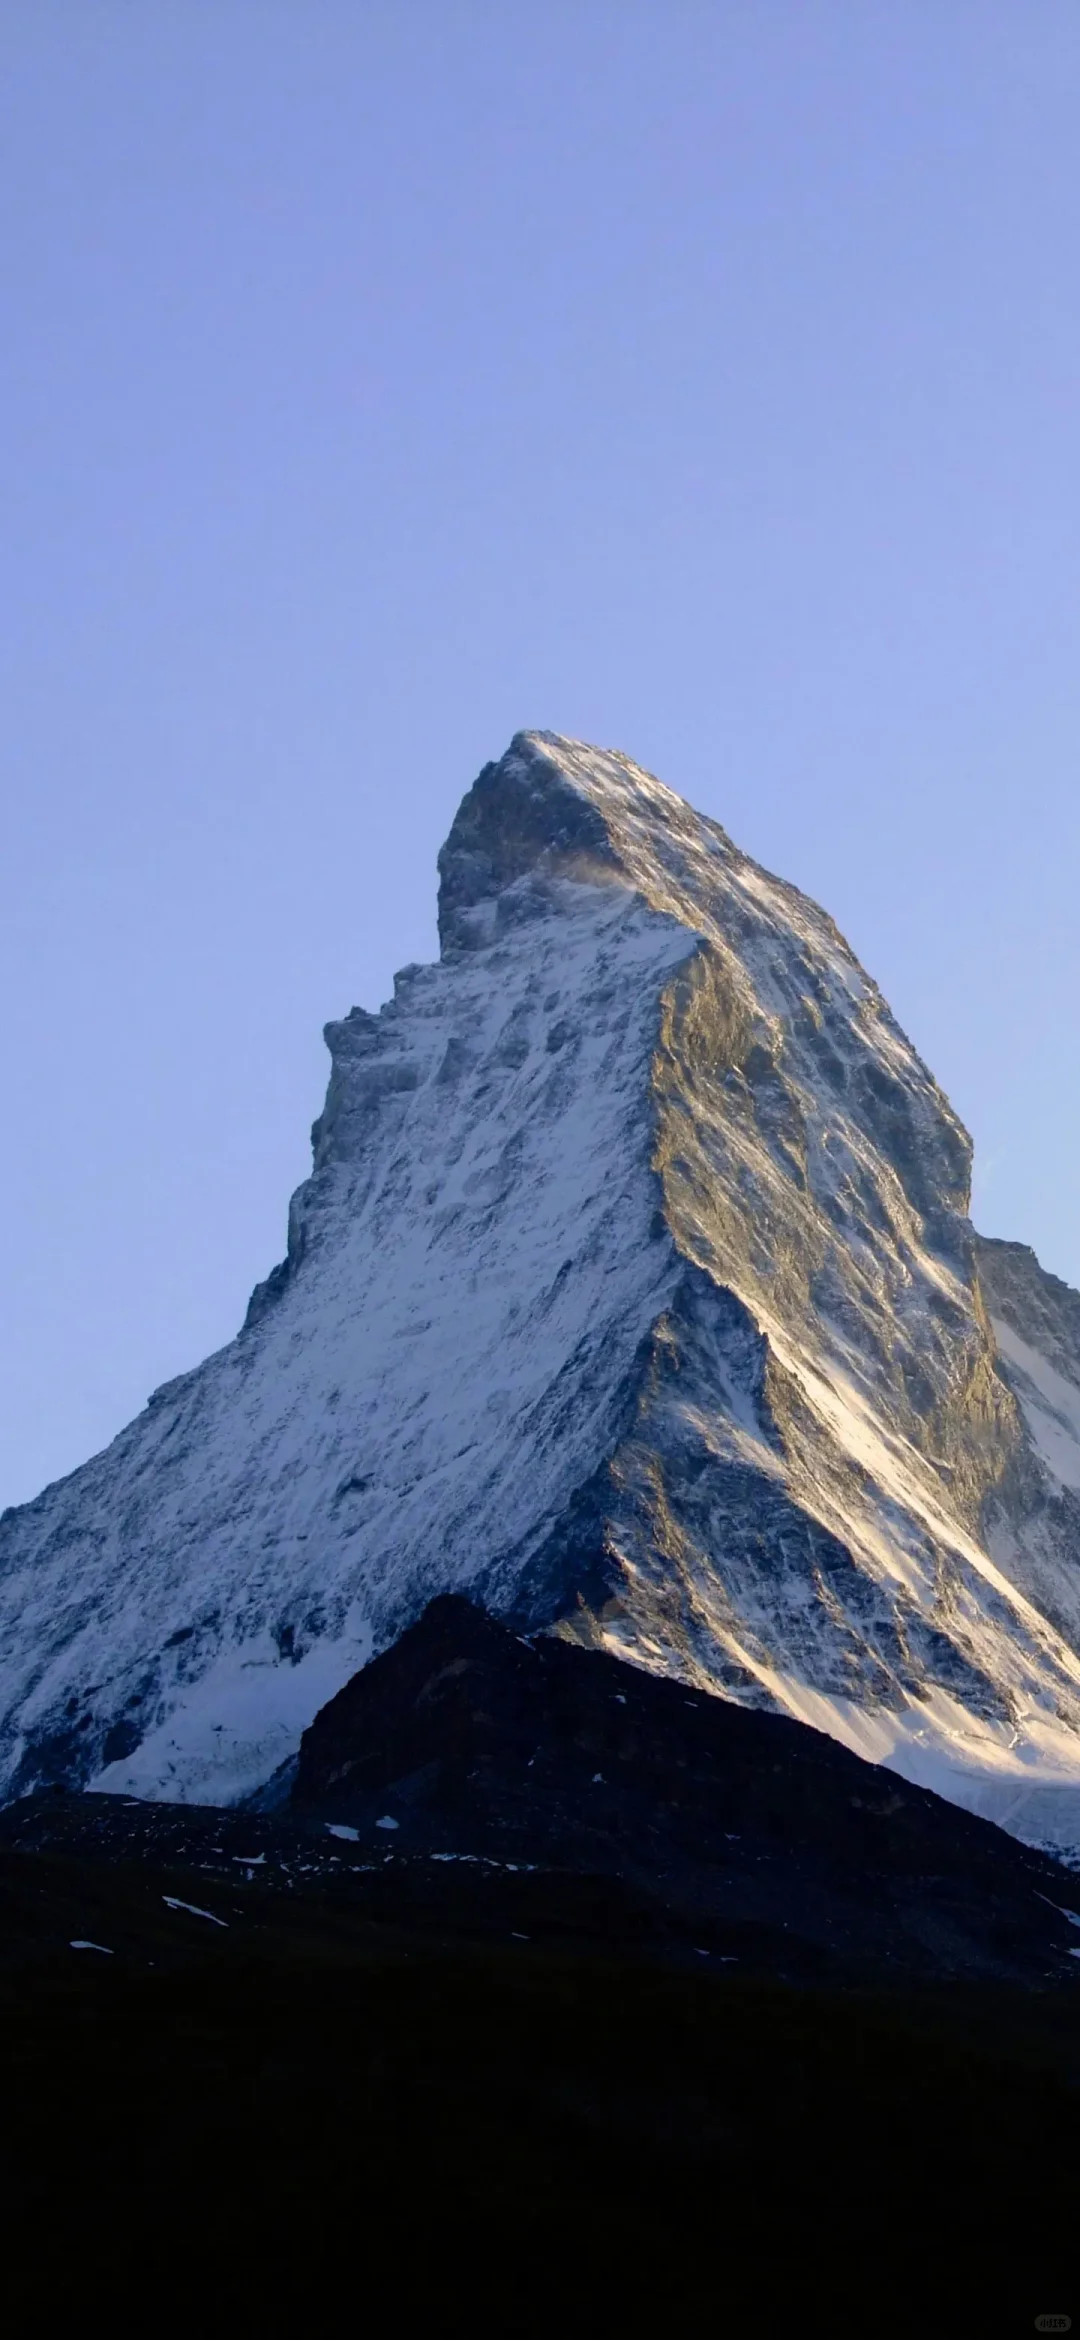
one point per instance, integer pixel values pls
(633, 1292)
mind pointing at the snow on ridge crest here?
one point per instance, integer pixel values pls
(633, 1290)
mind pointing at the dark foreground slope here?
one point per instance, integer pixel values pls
(510, 2141)
(645, 2008)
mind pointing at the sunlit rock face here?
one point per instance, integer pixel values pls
(633, 1293)
(1032, 1521)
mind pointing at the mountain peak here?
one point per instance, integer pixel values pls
(633, 1294)
(556, 808)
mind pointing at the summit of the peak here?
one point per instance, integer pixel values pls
(600, 776)
(558, 807)
(525, 813)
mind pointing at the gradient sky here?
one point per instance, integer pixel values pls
(375, 381)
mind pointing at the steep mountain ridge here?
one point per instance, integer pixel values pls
(634, 1293)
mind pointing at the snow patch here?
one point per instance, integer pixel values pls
(230, 1731)
(172, 1903)
(1050, 1404)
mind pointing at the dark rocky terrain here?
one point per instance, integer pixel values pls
(644, 2006)
(765, 1839)
(494, 1789)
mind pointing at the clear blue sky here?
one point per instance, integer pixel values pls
(378, 380)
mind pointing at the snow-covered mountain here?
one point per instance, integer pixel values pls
(633, 1292)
